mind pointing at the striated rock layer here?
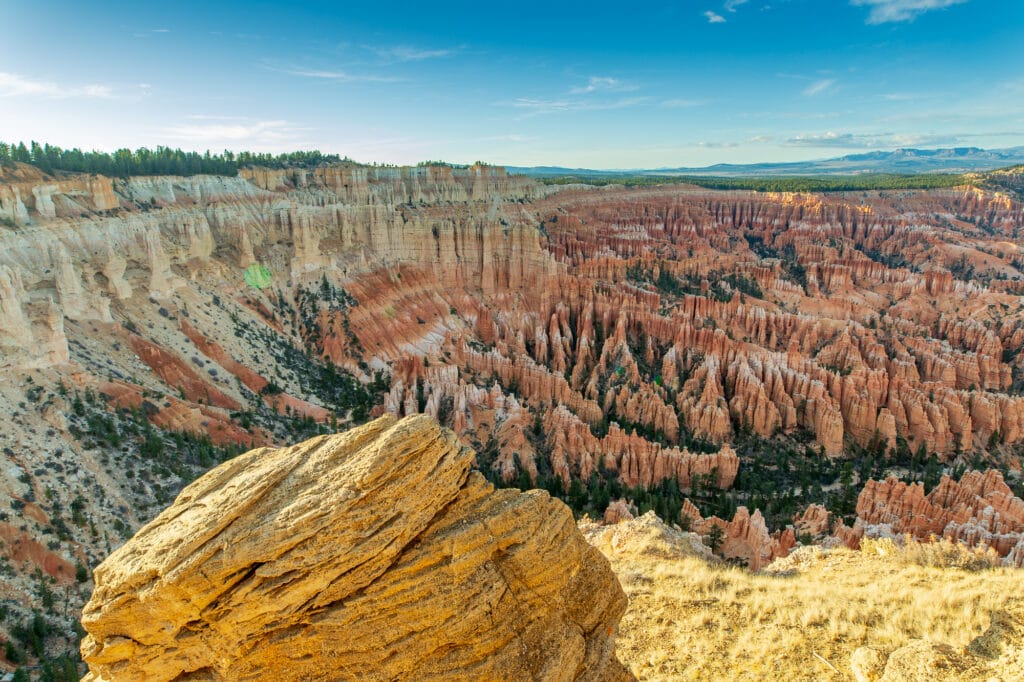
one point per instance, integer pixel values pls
(370, 555)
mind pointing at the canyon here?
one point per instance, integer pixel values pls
(717, 356)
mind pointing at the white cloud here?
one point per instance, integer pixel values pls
(714, 18)
(829, 139)
(731, 5)
(104, 91)
(682, 103)
(15, 85)
(885, 11)
(599, 83)
(871, 140)
(339, 76)
(408, 53)
(818, 87)
(147, 34)
(213, 117)
(256, 132)
(551, 106)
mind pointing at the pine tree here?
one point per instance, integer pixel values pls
(715, 538)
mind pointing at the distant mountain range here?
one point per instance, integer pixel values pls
(903, 161)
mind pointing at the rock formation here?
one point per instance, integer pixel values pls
(746, 538)
(371, 555)
(979, 509)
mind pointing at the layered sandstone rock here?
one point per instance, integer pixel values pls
(814, 521)
(373, 554)
(618, 511)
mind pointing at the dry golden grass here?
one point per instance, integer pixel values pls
(689, 619)
(939, 553)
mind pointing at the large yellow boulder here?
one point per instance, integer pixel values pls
(370, 555)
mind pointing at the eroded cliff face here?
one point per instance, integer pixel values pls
(627, 335)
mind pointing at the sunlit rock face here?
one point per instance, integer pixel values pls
(369, 555)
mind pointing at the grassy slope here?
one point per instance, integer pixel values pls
(691, 619)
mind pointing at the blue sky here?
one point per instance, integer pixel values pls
(617, 85)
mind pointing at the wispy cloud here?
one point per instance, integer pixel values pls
(148, 33)
(714, 17)
(731, 144)
(254, 132)
(332, 75)
(15, 85)
(871, 140)
(214, 117)
(552, 106)
(409, 53)
(886, 11)
(731, 5)
(683, 103)
(597, 94)
(820, 86)
(602, 84)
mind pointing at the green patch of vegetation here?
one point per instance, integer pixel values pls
(160, 161)
(720, 286)
(441, 164)
(333, 387)
(962, 269)
(31, 639)
(792, 269)
(180, 455)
